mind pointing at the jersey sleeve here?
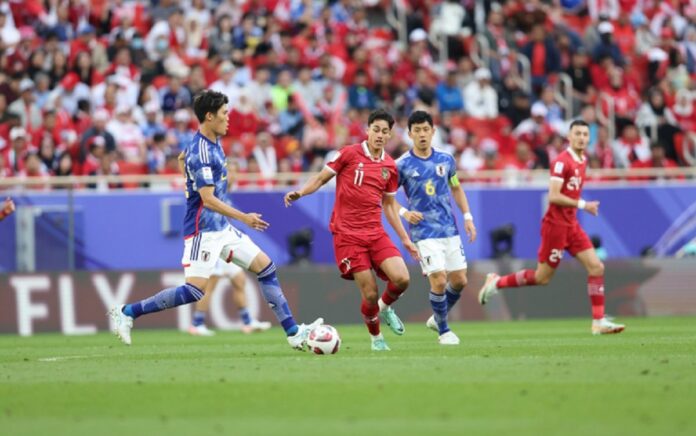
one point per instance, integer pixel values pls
(558, 170)
(393, 182)
(201, 173)
(452, 177)
(400, 173)
(338, 162)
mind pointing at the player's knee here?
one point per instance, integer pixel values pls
(371, 295)
(596, 269)
(458, 281)
(401, 281)
(542, 279)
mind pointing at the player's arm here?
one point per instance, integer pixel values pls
(210, 201)
(310, 187)
(391, 211)
(463, 204)
(8, 207)
(412, 216)
(181, 160)
(559, 199)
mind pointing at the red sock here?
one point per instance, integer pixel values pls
(369, 312)
(524, 277)
(595, 289)
(391, 294)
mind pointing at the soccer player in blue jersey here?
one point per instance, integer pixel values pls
(209, 235)
(428, 177)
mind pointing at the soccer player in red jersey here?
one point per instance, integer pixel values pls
(561, 231)
(366, 183)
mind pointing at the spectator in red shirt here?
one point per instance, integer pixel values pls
(543, 56)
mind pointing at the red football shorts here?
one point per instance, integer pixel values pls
(555, 239)
(360, 253)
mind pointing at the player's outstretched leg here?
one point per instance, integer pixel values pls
(272, 292)
(122, 317)
(198, 326)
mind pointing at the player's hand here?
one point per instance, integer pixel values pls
(290, 197)
(411, 247)
(470, 229)
(413, 217)
(254, 221)
(592, 207)
(8, 207)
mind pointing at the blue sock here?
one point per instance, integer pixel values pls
(439, 304)
(165, 299)
(270, 288)
(244, 316)
(452, 296)
(198, 318)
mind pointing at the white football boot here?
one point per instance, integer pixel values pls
(200, 330)
(256, 326)
(605, 327)
(121, 324)
(489, 288)
(448, 338)
(299, 339)
(431, 324)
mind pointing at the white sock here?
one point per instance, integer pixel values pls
(379, 336)
(382, 305)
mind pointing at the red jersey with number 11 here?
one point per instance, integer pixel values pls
(361, 182)
(570, 169)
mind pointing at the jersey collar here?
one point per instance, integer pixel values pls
(575, 157)
(366, 150)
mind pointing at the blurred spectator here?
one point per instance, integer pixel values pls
(72, 91)
(579, 72)
(359, 95)
(656, 159)
(449, 95)
(481, 100)
(158, 154)
(536, 132)
(174, 96)
(282, 91)
(182, 132)
(631, 147)
(19, 140)
(25, 106)
(265, 155)
(226, 84)
(543, 56)
(606, 45)
(654, 114)
(98, 128)
(130, 142)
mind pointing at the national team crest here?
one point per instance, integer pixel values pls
(385, 173)
(205, 255)
(441, 170)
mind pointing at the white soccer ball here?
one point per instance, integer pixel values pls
(324, 339)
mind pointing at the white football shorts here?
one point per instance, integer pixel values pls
(441, 254)
(202, 251)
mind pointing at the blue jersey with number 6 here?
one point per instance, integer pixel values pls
(427, 185)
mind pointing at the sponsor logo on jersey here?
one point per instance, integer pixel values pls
(415, 173)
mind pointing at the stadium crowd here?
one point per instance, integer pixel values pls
(104, 87)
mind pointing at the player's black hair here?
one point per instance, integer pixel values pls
(419, 117)
(208, 101)
(580, 123)
(380, 114)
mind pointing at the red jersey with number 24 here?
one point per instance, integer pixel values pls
(570, 169)
(361, 182)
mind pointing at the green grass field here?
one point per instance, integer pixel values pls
(517, 378)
